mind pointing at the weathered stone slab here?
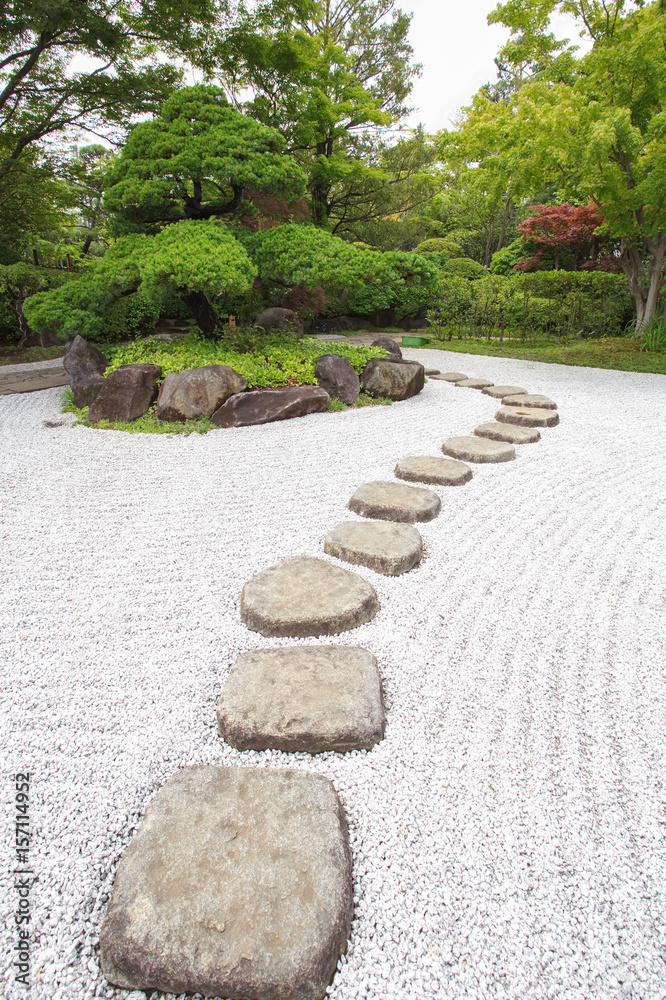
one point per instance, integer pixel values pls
(527, 416)
(508, 432)
(384, 546)
(451, 377)
(478, 449)
(393, 379)
(499, 391)
(245, 409)
(338, 377)
(388, 501)
(529, 399)
(32, 381)
(303, 596)
(197, 392)
(312, 699)
(474, 383)
(126, 393)
(430, 469)
(237, 884)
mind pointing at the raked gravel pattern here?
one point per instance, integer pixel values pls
(509, 832)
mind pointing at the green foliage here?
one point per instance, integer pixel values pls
(652, 336)
(17, 282)
(145, 424)
(434, 245)
(464, 267)
(194, 161)
(184, 258)
(272, 361)
(504, 261)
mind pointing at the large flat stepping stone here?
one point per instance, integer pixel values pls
(478, 449)
(527, 416)
(25, 381)
(430, 469)
(313, 699)
(384, 546)
(237, 884)
(389, 501)
(499, 391)
(450, 377)
(508, 432)
(474, 383)
(529, 399)
(303, 596)
(432, 371)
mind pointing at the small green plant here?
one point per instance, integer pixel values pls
(652, 336)
(365, 399)
(336, 405)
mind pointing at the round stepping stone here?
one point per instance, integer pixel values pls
(451, 377)
(474, 383)
(429, 469)
(303, 596)
(527, 416)
(508, 432)
(236, 884)
(478, 449)
(432, 371)
(384, 546)
(311, 699)
(499, 391)
(529, 399)
(395, 502)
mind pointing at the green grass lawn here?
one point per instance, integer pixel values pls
(621, 353)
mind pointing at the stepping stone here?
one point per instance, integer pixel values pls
(236, 884)
(474, 383)
(451, 377)
(530, 399)
(32, 381)
(478, 449)
(429, 469)
(499, 391)
(508, 432)
(432, 371)
(303, 596)
(527, 416)
(384, 546)
(313, 699)
(395, 502)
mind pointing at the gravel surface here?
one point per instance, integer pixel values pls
(508, 833)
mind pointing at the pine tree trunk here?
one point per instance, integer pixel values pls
(203, 312)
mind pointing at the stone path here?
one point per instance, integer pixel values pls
(255, 897)
(29, 379)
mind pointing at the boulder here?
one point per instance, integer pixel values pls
(388, 343)
(86, 388)
(126, 393)
(83, 360)
(197, 392)
(263, 406)
(338, 324)
(311, 699)
(303, 596)
(237, 884)
(279, 318)
(337, 376)
(393, 379)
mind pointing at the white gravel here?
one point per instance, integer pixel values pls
(509, 832)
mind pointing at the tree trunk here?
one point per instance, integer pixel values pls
(30, 337)
(643, 265)
(203, 312)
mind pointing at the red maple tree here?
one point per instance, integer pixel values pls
(561, 231)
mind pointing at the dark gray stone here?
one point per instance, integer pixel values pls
(388, 343)
(393, 379)
(312, 699)
(279, 318)
(337, 376)
(237, 884)
(197, 392)
(262, 407)
(126, 393)
(83, 359)
(85, 389)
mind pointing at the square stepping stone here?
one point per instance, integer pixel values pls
(312, 699)
(388, 501)
(385, 546)
(450, 377)
(529, 399)
(527, 416)
(474, 383)
(499, 391)
(478, 449)
(508, 432)
(237, 884)
(430, 469)
(303, 596)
